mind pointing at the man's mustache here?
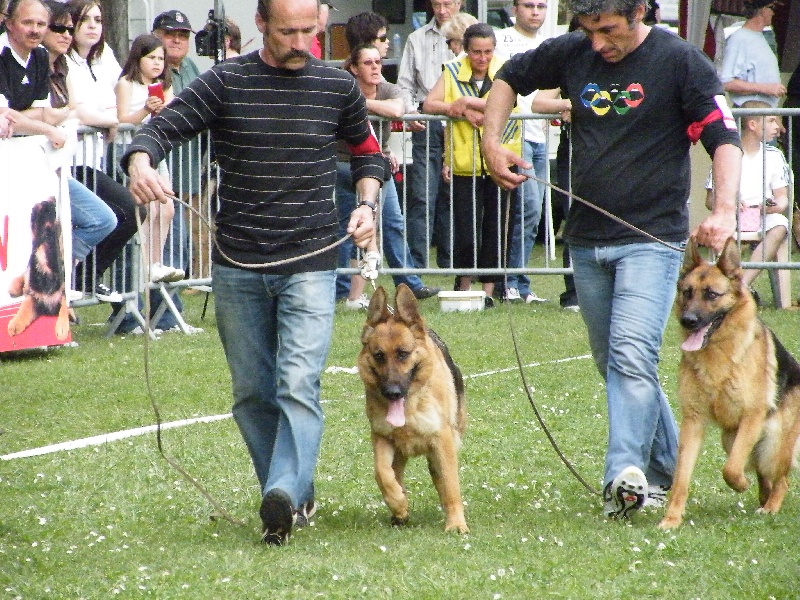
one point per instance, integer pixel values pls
(297, 54)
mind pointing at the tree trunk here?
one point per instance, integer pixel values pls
(115, 27)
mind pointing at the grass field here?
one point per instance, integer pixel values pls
(117, 520)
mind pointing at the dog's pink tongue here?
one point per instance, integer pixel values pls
(396, 416)
(695, 340)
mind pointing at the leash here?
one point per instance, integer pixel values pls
(220, 511)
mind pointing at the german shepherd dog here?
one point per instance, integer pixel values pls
(414, 402)
(42, 283)
(733, 372)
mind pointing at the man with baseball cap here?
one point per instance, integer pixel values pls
(172, 27)
(749, 66)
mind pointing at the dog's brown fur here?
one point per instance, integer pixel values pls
(42, 283)
(740, 377)
(402, 359)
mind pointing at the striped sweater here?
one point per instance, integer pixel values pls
(274, 133)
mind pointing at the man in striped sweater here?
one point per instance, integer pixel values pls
(274, 116)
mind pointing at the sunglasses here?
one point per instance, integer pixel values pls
(369, 62)
(382, 38)
(61, 29)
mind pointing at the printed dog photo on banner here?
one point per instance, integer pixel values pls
(34, 273)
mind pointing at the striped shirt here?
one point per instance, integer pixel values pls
(274, 133)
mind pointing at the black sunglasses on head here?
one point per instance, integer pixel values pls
(61, 29)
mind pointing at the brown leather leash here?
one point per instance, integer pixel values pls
(220, 510)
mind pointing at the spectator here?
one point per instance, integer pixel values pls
(135, 105)
(428, 216)
(635, 87)
(275, 321)
(85, 80)
(383, 99)
(453, 32)
(793, 101)
(322, 24)
(764, 186)
(653, 14)
(525, 35)
(174, 29)
(92, 219)
(233, 39)
(749, 66)
(461, 93)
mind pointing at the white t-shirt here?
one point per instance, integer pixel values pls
(510, 42)
(94, 87)
(761, 176)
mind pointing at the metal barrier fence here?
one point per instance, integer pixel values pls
(194, 178)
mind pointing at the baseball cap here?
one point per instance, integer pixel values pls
(172, 20)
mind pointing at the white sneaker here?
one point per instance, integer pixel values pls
(74, 295)
(572, 308)
(360, 303)
(532, 297)
(512, 295)
(626, 494)
(163, 274)
(139, 331)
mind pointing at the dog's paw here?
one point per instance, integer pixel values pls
(399, 521)
(736, 480)
(461, 527)
(670, 522)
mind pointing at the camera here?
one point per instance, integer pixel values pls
(210, 41)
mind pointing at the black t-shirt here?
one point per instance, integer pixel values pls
(20, 85)
(630, 148)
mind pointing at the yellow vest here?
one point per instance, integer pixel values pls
(465, 152)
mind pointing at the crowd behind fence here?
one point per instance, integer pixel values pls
(190, 241)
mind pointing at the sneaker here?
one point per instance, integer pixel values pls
(303, 515)
(425, 292)
(512, 295)
(572, 308)
(625, 494)
(74, 295)
(163, 274)
(105, 294)
(656, 496)
(277, 517)
(532, 297)
(360, 303)
(139, 331)
(189, 329)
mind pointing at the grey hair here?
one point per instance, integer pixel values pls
(594, 8)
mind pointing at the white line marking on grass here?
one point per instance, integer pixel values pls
(536, 364)
(104, 438)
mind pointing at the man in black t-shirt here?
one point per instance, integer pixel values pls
(640, 96)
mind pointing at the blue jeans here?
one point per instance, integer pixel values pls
(276, 330)
(92, 219)
(428, 206)
(625, 294)
(392, 229)
(526, 224)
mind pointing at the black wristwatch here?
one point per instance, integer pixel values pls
(369, 203)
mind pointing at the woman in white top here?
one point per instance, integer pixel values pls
(93, 73)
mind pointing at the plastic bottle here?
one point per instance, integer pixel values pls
(397, 46)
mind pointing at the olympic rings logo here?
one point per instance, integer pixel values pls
(601, 101)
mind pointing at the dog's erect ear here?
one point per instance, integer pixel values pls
(730, 260)
(377, 310)
(691, 257)
(406, 307)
